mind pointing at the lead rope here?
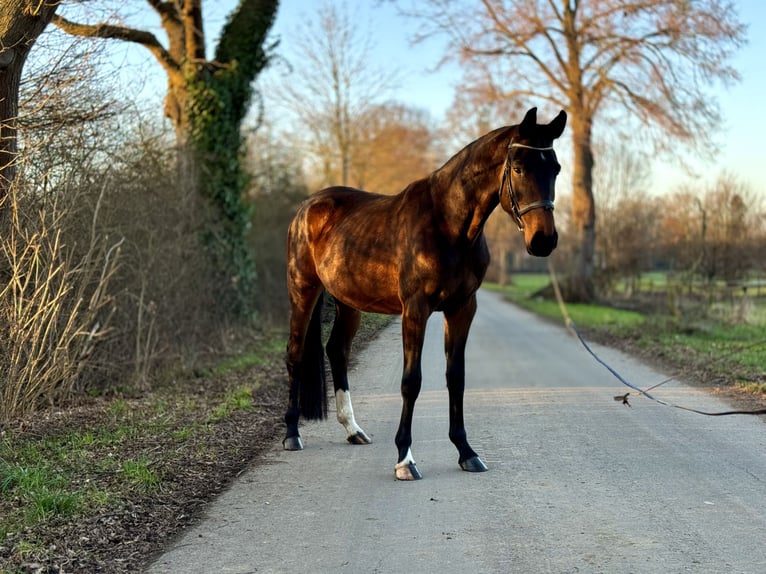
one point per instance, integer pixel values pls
(570, 325)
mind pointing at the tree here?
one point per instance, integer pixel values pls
(714, 237)
(627, 220)
(732, 227)
(394, 148)
(332, 89)
(649, 60)
(207, 100)
(21, 22)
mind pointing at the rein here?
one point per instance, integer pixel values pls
(516, 210)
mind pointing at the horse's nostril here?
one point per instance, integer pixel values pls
(542, 245)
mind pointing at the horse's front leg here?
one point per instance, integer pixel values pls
(456, 327)
(413, 333)
(338, 349)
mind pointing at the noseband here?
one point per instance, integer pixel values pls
(516, 210)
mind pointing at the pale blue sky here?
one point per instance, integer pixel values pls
(741, 152)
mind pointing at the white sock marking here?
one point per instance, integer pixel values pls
(345, 413)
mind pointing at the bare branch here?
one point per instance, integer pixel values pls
(113, 32)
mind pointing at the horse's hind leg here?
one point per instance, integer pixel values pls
(338, 350)
(456, 327)
(305, 363)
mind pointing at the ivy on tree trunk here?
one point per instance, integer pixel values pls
(219, 99)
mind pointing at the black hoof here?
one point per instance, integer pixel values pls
(473, 464)
(292, 443)
(359, 438)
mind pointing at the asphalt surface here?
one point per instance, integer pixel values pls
(577, 481)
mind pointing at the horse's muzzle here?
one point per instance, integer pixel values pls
(542, 245)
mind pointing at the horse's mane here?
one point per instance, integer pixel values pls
(464, 164)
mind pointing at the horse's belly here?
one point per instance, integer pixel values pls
(385, 307)
(368, 287)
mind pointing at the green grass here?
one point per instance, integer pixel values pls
(77, 471)
(60, 473)
(522, 286)
(239, 399)
(46, 504)
(140, 474)
(724, 344)
(39, 490)
(118, 407)
(256, 357)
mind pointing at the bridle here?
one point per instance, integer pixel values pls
(516, 210)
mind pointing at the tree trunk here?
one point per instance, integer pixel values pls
(21, 22)
(11, 65)
(579, 284)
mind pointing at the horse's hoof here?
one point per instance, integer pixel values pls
(359, 438)
(292, 443)
(407, 471)
(473, 464)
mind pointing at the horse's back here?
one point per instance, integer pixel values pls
(334, 203)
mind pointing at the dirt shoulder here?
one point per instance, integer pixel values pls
(190, 451)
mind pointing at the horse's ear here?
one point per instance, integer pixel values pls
(556, 127)
(528, 124)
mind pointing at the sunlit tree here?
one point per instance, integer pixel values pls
(394, 148)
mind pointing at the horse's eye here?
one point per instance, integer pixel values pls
(517, 170)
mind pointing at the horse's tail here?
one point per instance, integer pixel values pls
(313, 383)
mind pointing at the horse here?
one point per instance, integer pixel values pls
(410, 254)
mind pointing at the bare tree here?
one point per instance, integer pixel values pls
(183, 55)
(21, 22)
(732, 227)
(627, 219)
(332, 87)
(649, 60)
(714, 237)
(394, 148)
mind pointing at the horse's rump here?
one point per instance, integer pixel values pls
(349, 241)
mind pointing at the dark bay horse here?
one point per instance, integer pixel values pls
(411, 254)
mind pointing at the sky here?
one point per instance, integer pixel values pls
(421, 84)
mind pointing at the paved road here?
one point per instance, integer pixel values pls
(577, 482)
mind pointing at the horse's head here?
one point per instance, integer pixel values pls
(527, 188)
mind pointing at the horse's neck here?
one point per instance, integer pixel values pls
(465, 189)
